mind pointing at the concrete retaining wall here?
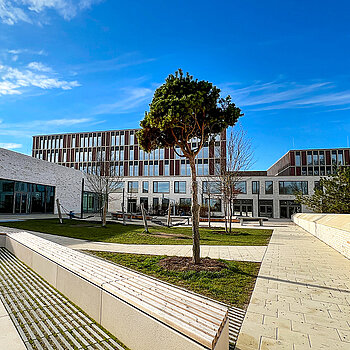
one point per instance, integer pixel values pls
(332, 229)
(96, 294)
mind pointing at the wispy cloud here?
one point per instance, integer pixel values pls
(15, 11)
(123, 61)
(275, 95)
(36, 74)
(10, 145)
(35, 127)
(130, 99)
(38, 66)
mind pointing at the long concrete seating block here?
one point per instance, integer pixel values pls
(332, 229)
(2, 239)
(141, 311)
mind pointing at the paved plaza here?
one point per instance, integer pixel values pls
(301, 298)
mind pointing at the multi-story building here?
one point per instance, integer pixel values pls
(153, 178)
(161, 176)
(312, 162)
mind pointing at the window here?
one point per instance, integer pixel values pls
(120, 187)
(213, 187)
(309, 158)
(215, 204)
(291, 187)
(161, 186)
(322, 162)
(268, 187)
(340, 158)
(183, 167)
(185, 202)
(99, 140)
(241, 187)
(255, 187)
(144, 186)
(131, 169)
(297, 158)
(156, 168)
(166, 168)
(132, 138)
(133, 186)
(205, 167)
(315, 155)
(180, 187)
(131, 153)
(334, 157)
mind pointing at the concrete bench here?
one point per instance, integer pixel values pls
(144, 313)
(242, 219)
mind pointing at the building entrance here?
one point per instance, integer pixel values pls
(288, 208)
(266, 208)
(22, 203)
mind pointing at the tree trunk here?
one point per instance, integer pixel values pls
(104, 215)
(225, 213)
(195, 213)
(230, 214)
(209, 211)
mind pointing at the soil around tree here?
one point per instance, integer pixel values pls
(179, 263)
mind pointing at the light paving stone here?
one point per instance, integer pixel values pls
(271, 344)
(305, 286)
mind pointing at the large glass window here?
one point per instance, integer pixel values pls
(241, 187)
(268, 187)
(215, 204)
(133, 186)
(213, 187)
(161, 186)
(309, 158)
(180, 186)
(297, 158)
(255, 187)
(291, 187)
(145, 187)
(6, 196)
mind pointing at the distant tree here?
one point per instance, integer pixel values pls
(332, 195)
(102, 182)
(186, 113)
(239, 158)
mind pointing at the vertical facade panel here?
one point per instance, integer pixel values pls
(347, 158)
(303, 158)
(177, 167)
(166, 153)
(171, 167)
(136, 152)
(211, 166)
(292, 158)
(328, 158)
(161, 167)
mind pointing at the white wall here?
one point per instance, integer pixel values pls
(67, 181)
(332, 229)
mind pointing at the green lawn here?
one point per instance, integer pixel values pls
(133, 234)
(232, 285)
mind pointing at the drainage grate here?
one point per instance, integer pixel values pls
(43, 317)
(236, 317)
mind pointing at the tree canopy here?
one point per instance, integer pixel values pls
(186, 112)
(332, 195)
(184, 108)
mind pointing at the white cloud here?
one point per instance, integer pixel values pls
(10, 145)
(13, 80)
(39, 67)
(286, 95)
(14, 11)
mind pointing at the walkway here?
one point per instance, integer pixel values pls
(43, 317)
(238, 253)
(301, 299)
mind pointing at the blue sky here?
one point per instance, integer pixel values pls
(86, 65)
